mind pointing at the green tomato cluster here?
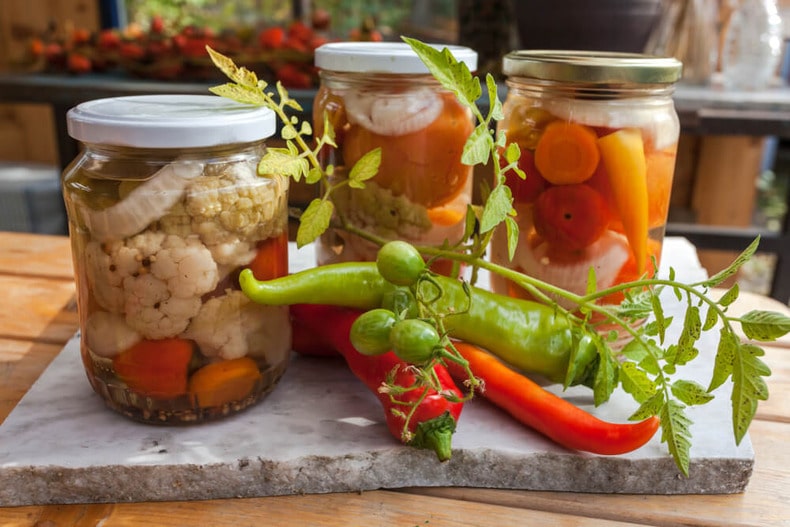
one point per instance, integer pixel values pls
(395, 326)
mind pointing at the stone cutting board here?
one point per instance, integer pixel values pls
(321, 431)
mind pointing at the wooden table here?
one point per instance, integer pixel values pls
(38, 315)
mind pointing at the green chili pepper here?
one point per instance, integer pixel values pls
(528, 335)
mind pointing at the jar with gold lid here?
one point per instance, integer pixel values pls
(381, 95)
(165, 208)
(598, 134)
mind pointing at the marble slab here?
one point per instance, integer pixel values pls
(320, 431)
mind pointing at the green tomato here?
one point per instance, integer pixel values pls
(370, 332)
(401, 300)
(414, 340)
(399, 263)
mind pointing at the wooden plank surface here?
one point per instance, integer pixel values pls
(41, 316)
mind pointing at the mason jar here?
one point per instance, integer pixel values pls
(598, 135)
(381, 95)
(165, 207)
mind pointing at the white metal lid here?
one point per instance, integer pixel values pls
(169, 121)
(382, 57)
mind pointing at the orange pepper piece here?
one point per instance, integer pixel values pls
(271, 258)
(567, 153)
(623, 155)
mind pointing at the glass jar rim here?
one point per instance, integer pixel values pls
(383, 57)
(169, 121)
(592, 66)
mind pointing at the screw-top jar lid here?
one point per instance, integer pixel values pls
(382, 57)
(169, 121)
(592, 66)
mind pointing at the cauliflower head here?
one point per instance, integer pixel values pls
(155, 280)
(233, 326)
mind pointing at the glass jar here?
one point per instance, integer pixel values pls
(381, 95)
(598, 135)
(165, 208)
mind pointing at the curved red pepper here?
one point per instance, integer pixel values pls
(435, 418)
(553, 416)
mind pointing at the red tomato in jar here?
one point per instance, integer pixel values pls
(571, 216)
(528, 189)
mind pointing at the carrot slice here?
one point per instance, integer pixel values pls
(155, 368)
(567, 153)
(623, 154)
(224, 382)
(444, 216)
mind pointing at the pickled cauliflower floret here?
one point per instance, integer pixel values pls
(143, 205)
(108, 334)
(233, 326)
(155, 280)
(230, 208)
(377, 208)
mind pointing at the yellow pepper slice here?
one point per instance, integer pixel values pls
(623, 155)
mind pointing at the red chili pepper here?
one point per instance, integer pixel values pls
(432, 424)
(553, 416)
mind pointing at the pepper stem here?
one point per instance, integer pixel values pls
(436, 434)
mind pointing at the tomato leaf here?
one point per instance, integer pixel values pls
(748, 387)
(636, 382)
(511, 228)
(314, 221)
(495, 105)
(765, 325)
(282, 161)
(733, 268)
(477, 147)
(675, 432)
(690, 393)
(725, 358)
(364, 169)
(497, 208)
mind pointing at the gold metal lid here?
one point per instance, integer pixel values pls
(592, 66)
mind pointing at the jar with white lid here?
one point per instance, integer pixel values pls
(165, 207)
(598, 135)
(381, 95)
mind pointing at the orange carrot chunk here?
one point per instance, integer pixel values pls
(224, 382)
(567, 153)
(156, 368)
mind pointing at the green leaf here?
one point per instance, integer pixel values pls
(606, 378)
(748, 387)
(636, 382)
(725, 358)
(765, 325)
(512, 155)
(451, 74)
(690, 393)
(242, 94)
(241, 76)
(314, 221)
(649, 408)
(497, 208)
(742, 258)
(511, 227)
(495, 105)
(675, 433)
(636, 306)
(364, 169)
(282, 161)
(314, 175)
(658, 312)
(591, 282)
(285, 99)
(306, 129)
(582, 356)
(477, 147)
(730, 296)
(288, 132)
(711, 317)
